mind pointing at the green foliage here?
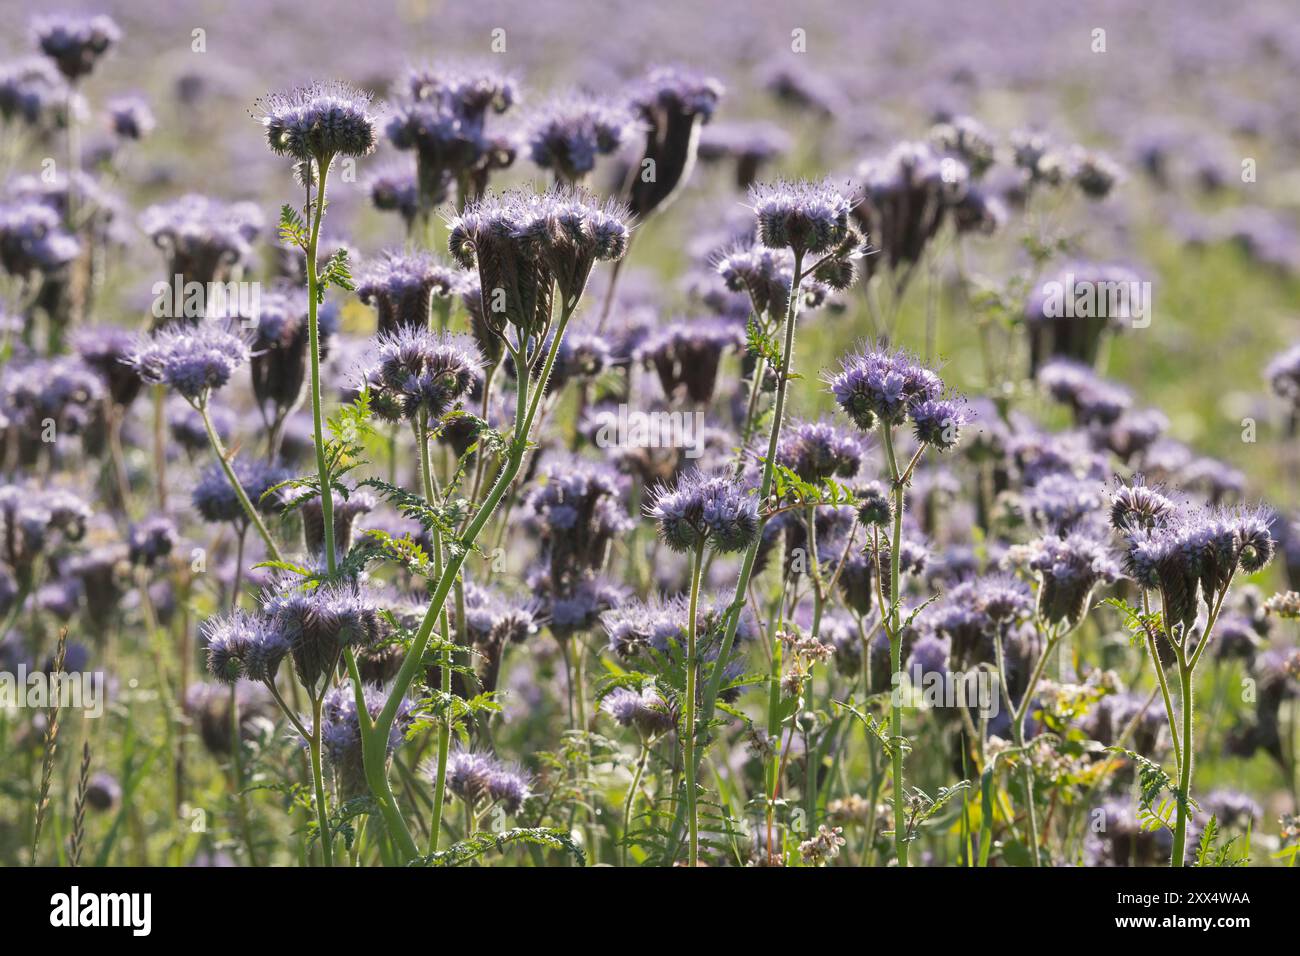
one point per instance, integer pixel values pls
(1139, 624)
(293, 231)
(467, 851)
(337, 272)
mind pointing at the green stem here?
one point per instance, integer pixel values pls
(318, 783)
(1185, 771)
(692, 808)
(631, 799)
(444, 659)
(313, 348)
(896, 655)
(375, 736)
(249, 510)
(714, 685)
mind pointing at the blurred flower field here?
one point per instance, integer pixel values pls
(745, 434)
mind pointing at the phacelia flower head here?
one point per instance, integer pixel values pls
(1283, 373)
(705, 508)
(568, 134)
(577, 509)
(394, 188)
(937, 422)
(319, 623)
(106, 349)
(751, 146)
(1060, 503)
(673, 103)
(340, 733)
(687, 354)
(907, 197)
(64, 390)
(766, 276)
(243, 644)
(151, 540)
(216, 501)
(1069, 569)
(205, 240)
(1092, 399)
(33, 91)
(527, 244)
(416, 373)
(318, 122)
(968, 139)
(346, 512)
(1094, 173)
(192, 359)
(804, 217)
(1138, 507)
(279, 353)
(884, 386)
(402, 288)
(1197, 552)
(645, 710)
(874, 505)
(130, 117)
(818, 450)
(442, 118)
(975, 613)
(1069, 313)
(33, 519)
(32, 239)
(480, 778)
(75, 43)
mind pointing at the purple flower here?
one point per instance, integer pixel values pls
(818, 450)
(1069, 569)
(804, 217)
(192, 359)
(568, 134)
(526, 244)
(687, 354)
(938, 422)
(402, 288)
(418, 373)
(216, 501)
(318, 122)
(884, 386)
(205, 240)
(319, 623)
(705, 508)
(130, 117)
(32, 239)
(75, 43)
(672, 103)
(646, 710)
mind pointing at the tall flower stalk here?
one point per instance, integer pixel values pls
(313, 125)
(808, 219)
(534, 254)
(1189, 557)
(887, 389)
